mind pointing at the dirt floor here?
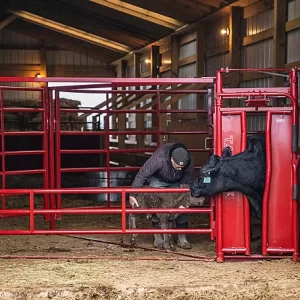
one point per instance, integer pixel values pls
(104, 267)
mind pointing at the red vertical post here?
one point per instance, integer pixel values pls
(107, 143)
(123, 199)
(295, 160)
(247, 219)
(44, 126)
(31, 211)
(265, 208)
(57, 152)
(158, 119)
(51, 156)
(218, 151)
(3, 148)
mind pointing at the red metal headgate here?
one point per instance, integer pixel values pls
(280, 208)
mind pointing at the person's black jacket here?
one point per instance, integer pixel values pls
(160, 166)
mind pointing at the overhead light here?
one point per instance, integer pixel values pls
(147, 61)
(38, 75)
(225, 31)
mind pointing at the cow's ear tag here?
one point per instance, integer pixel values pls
(207, 180)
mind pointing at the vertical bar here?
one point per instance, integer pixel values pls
(107, 142)
(44, 126)
(158, 119)
(51, 156)
(211, 218)
(247, 219)
(295, 159)
(3, 148)
(31, 212)
(57, 152)
(123, 195)
(265, 210)
(218, 151)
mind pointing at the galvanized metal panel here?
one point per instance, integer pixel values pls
(26, 57)
(214, 38)
(258, 23)
(70, 58)
(187, 49)
(293, 9)
(21, 95)
(293, 46)
(9, 37)
(258, 55)
(214, 63)
(188, 102)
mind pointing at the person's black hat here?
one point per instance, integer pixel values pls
(180, 156)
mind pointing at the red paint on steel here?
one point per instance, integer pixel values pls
(3, 178)
(280, 224)
(280, 201)
(234, 231)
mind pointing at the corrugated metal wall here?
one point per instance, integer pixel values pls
(215, 63)
(214, 39)
(31, 56)
(70, 58)
(293, 37)
(189, 70)
(257, 55)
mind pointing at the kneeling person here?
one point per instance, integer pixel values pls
(170, 166)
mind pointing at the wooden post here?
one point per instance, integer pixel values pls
(154, 74)
(122, 117)
(200, 46)
(140, 124)
(235, 42)
(174, 70)
(279, 43)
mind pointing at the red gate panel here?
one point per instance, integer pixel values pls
(234, 204)
(278, 207)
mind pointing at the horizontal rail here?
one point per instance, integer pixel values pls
(107, 231)
(116, 81)
(94, 211)
(23, 152)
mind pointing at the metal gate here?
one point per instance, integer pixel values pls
(280, 231)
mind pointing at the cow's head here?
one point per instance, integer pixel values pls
(205, 184)
(213, 164)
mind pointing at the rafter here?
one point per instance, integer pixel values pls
(141, 13)
(214, 3)
(7, 21)
(71, 31)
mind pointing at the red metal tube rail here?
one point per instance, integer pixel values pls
(32, 212)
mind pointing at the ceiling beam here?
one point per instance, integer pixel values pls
(7, 21)
(214, 3)
(196, 5)
(64, 42)
(71, 31)
(141, 13)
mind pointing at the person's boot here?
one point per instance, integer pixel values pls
(182, 241)
(158, 239)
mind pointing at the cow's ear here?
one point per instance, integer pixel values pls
(226, 152)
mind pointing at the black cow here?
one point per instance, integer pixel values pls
(244, 172)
